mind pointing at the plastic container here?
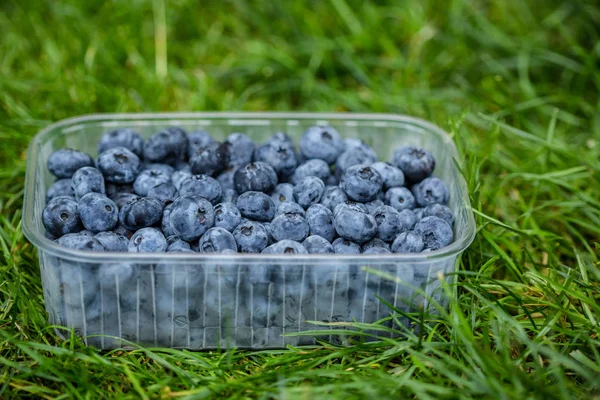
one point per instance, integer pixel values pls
(201, 301)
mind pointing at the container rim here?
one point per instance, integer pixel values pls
(37, 238)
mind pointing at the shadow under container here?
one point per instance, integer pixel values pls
(204, 301)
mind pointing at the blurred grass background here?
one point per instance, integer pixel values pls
(516, 83)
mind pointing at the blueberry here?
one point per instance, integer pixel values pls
(320, 220)
(408, 242)
(322, 142)
(239, 149)
(190, 217)
(256, 205)
(86, 232)
(332, 196)
(118, 165)
(216, 240)
(400, 198)
(140, 212)
(314, 167)
(355, 225)
(278, 155)
(352, 205)
(201, 185)
(77, 241)
(290, 226)
(257, 176)
(122, 137)
(164, 168)
(147, 240)
(64, 162)
(362, 154)
(408, 219)
(165, 223)
(174, 244)
(269, 229)
(61, 216)
(377, 250)
(98, 213)
(166, 193)
(209, 159)
(375, 242)
(229, 196)
(344, 246)
(121, 230)
(318, 245)
(121, 199)
(285, 247)
(283, 139)
(416, 163)
(429, 191)
(283, 192)
(290, 207)
(361, 183)
(251, 237)
(147, 179)
(178, 177)
(112, 241)
(168, 146)
(225, 178)
(436, 232)
(373, 205)
(114, 189)
(389, 223)
(61, 187)
(392, 176)
(309, 191)
(198, 139)
(418, 212)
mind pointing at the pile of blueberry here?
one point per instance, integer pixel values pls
(180, 192)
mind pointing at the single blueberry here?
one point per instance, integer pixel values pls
(257, 176)
(290, 226)
(408, 219)
(377, 250)
(190, 217)
(256, 205)
(61, 216)
(429, 191)
(64, 162)
(314, 167)
(61, 187)
(168, 146)
(225, 178)
(118, 165)
(320, 220)
(77, 241)
(389, 223)
(140, 212)
(164, 168)
(178, 177)
(352, 205)
(285, 247)
(322, 142)
(419, 212)
(121, 199)
(147, 179)
(229, 196)
(251, 237)
(239, 149)
(216, 240)
(283, 192)
(269, 229)
(123, 137)
(375, 242)
(174, 244)
(354, 225)
(98, 213)
(201, 185)
(408, 242)
(165, 223)
(147, 240)
(318, 245)
(416, 163)
(392, 176)
(290, 207)
(198, 139)
(278, 155)
(309, 191)
(373, 205)
(436, 232)
(400, 198)
(112, 241)
(209, 159)
(361, 183)
(332, 196)
(283, 139)
(86, 180)
(344, 246)
(362, 154)
(166, 193)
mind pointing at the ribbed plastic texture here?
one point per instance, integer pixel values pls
(200, 301)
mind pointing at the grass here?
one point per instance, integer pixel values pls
(516, 84)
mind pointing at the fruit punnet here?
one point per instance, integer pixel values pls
(180, 192)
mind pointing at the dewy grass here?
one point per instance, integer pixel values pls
(515, 83)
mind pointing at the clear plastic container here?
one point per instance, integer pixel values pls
(202, 301)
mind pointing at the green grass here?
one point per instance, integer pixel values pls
(516, 83)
